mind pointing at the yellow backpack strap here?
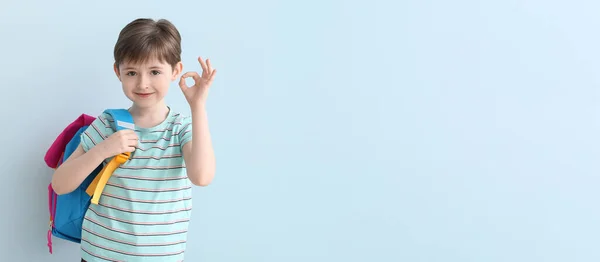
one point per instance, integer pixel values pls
(92, 187)
(122, 120)
(99, 182)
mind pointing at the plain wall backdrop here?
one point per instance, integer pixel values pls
(447, 131)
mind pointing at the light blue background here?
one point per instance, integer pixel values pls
(344, 131)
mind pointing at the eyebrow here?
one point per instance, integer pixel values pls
(133, 68)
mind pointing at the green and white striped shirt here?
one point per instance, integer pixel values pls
(144, 211)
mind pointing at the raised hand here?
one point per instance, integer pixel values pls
(196, 95)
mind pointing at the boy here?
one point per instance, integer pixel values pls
(145, 208)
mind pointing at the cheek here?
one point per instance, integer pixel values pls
(128, 84)
(163, 83)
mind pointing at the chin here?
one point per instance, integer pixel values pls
(146, 103)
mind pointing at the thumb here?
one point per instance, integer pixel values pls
(182, 84)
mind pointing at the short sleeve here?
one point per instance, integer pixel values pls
(185, 134)
(96, 132)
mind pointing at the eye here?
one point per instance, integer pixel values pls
(155, 72)
(131, 73)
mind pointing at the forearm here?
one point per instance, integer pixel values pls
(201, 168)
(70, 174)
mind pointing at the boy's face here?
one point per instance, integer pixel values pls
(146, 84)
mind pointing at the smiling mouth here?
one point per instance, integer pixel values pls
(144, 94)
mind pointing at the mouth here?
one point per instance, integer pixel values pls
(143, 95)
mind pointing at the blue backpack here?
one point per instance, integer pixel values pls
(67, 211)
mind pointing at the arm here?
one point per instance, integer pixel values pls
(198, 154)
(69, 175)
(88, 156)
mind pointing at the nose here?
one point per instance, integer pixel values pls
(143, 82)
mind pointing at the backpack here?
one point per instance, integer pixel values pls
(67, 211)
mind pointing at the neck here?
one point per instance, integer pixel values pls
(146, 117)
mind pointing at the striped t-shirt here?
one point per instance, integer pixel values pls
(144, 211)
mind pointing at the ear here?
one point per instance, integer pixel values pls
(117, 71)
(177, 70)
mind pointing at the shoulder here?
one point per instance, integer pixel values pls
(102, 123)
(180, 121)
(181, 125)
(97, 131)
(104, 119)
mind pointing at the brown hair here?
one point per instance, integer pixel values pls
(144, 38)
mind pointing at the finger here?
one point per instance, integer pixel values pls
(128, 132)
(132, 142)
(189, 74)
(195, 76)
(208, 65)
(212, 76)
(132, 137)
(182, 83)
(203, 65)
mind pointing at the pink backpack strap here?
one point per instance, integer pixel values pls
(54, 154)
(52, 197)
